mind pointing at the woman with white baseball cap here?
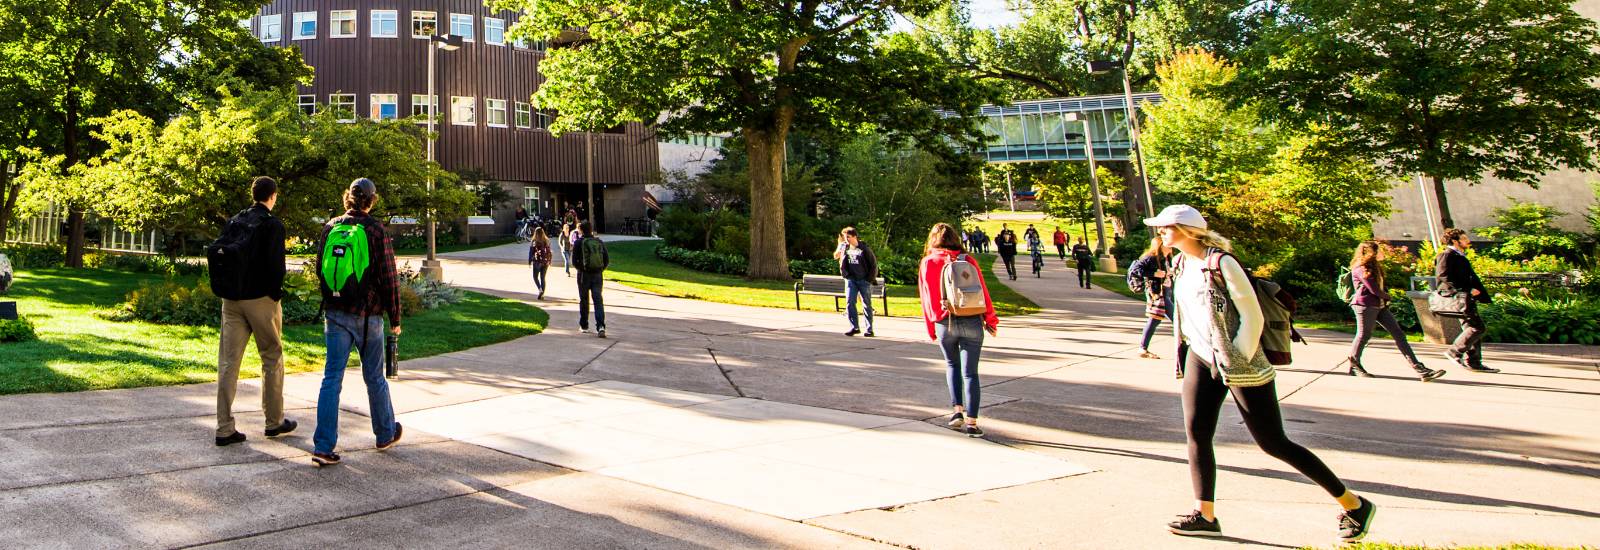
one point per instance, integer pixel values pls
(1218, 327)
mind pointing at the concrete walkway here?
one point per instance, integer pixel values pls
(508, 445)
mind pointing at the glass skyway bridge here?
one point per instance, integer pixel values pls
(1033, 131)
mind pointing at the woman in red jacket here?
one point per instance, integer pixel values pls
(960, 338)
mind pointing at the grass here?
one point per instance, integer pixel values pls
(1046, 226)
(635, 264)
(77, 351)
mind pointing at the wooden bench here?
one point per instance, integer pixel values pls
(834, 285)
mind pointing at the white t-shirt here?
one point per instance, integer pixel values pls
(1190, 294)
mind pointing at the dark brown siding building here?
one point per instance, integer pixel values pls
(371, 60)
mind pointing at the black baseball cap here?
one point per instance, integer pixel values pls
(365, 185)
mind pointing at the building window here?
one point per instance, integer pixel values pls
(539, 46)
(530, 198)
(424, 24)
(343, 106)
(271, 28)
(305, 25)
(524, 115)
(463, 111)
(342, 24)
(308, 104)
(494, 31)
(542, 120)
(385, 106)
(461, 25)
(420, 107)
(385, 24)
(497, 112)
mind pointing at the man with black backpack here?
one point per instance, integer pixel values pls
(591, 259)
(355, 268)
(247, 269)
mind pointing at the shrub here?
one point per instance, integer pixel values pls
(709, 262)
(35, 255)
(819, 266)
(1131, 246)
(1307, 270)
(1519, 319)
(425, 293)
(302, 298)
(142, 263)
(170, 303)
(1405, 312)
(19, 330)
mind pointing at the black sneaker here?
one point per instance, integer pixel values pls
(1356, 369)
(1481, 369)
(972, 430)
(237, 437)
(398, 431)
(956, 421)
(869, 334)
(1427, 374)
(324, 459)
(1195, 525)
(1456, 358)
(283, 427)
(1354, 524)
(601, 332)
(852, 332)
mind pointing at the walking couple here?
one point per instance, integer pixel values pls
(355, 267)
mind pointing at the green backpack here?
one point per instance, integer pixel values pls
(594, 255)
(1345, 286)
(344, 264)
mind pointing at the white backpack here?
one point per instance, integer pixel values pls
(963, 288)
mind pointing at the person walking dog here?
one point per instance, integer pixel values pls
(247, 270)
(356, 271)
(1218, 321)
(957, 311)
(1370, 302)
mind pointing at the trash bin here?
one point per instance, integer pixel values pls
(1435, 329)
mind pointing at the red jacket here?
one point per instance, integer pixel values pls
(1061, 237)
(931, 287)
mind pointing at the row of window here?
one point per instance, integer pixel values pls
(385, 24)
(463, 110)
(714, 142)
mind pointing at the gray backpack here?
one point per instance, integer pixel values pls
(963, 288)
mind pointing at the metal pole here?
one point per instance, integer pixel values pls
(1427, 210)
(1138, 151)
(430, 266)
(1011, 196)
(1094, 189)
(588, 175)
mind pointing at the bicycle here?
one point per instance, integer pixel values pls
(1038, 259)
(524, 231)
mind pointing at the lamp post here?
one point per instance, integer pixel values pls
(1107, 263)
(431, 268)
(1103, 67)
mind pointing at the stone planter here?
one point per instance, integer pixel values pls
(1435, 329)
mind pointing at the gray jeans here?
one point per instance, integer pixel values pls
(1366, 316)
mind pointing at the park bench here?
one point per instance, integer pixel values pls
(833, 285)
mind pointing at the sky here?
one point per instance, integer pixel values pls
(985, 14)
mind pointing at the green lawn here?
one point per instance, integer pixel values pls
(635, 264)
(1046, 227)
(77, 351)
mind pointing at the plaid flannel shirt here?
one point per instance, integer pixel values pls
(383, 297)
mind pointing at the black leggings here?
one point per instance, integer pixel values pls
(1203, 394)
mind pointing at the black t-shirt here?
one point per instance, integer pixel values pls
(1006, 243)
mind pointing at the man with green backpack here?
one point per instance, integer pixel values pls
(356, 270)
(591, 259)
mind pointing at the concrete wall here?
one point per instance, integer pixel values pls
(692, 159)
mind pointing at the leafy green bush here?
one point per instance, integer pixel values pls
(34, 255)
(1518, 319)
(1131, 246)
(141, 263)
(302, 298)
(709, 262)
(170, 303)
(1307, 270)
(19, 330)
(1405, 312)
(819, 266)
(418, 293)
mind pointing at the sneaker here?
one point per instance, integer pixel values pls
(1356, 369)
(325, 459)
(1456, 358)
(1481, 369)
(237, 437)
(956, 421)
(584, 330)
(972, 430)
(869, 334)
(541, 295)
(283, 427)
(601, 332)
(1195, 525)
(1354, 524)
(1146, 354)
(852, 332)
(1427, 374)
(398, 431)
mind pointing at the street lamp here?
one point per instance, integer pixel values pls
(431, 268)
(1107, 263)
(1103, 67)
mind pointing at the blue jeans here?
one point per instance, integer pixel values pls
(961, 340)
(857, 290)
(1151, 324)
(343, 332)
(539, 269)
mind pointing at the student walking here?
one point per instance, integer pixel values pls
(957, 311)
(1150, 273)
(1060, 240)
(1085, 258)
(1454, 272)
(859, 267)
(564, 240)
(359, 288)
(1218, 322)
(589, 253)
(247, 267)
(981, 241)
(1006, 244)
(1371, 306)
(539, 258)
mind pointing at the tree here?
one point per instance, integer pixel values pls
(86, 58)
(895, 194)
(762, 69)
(1451, 89)
(1065, 192)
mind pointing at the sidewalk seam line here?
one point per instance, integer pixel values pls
(718, 364)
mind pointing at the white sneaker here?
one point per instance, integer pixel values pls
(583, 330)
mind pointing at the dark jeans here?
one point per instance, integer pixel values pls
(344, 332)
(1011, 263)
(1470, 342)
(1365, 318)
(1061, 250)
(1203, 393)
(862, 291)
(1085, 274)
(589, 289)
(1152, 323)
(539, 269)
(961, 341)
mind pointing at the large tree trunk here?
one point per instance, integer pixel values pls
(9, 190)
(1442, 203)
(75, 214)
(769, 257)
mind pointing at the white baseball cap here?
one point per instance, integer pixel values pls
(1177, 214)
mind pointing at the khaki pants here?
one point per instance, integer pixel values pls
(262, 317)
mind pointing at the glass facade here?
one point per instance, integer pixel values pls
(1040, 131)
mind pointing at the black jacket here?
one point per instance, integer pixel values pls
(1455, 273)
(1006, 243)
(863, 267)
(1146, 268)
(265, 268)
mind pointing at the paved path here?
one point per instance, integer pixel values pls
(1467, 459)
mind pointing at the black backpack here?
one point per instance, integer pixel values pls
(228, 257)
